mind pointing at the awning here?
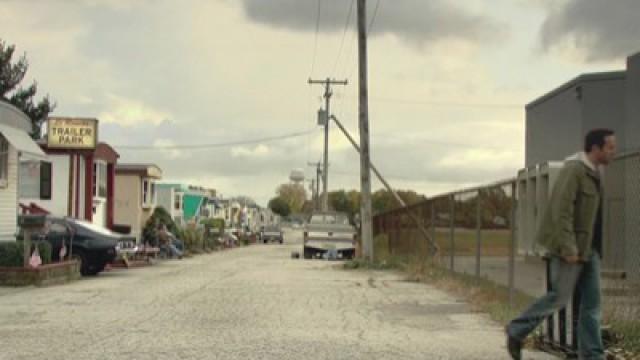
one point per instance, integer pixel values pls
(20, 140)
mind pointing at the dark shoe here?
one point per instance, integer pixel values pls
(514, 346)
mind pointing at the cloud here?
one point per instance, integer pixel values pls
(594, 30)
(418, 22)
(129, 112)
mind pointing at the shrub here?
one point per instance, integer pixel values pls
(192, 237)
(159, 216)
(11, 253)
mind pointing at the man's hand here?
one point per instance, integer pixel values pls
(572, 259)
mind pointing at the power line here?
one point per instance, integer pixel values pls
(216, 145)
(315, 41)
(344, 33)
(373, 18)
(442, 103)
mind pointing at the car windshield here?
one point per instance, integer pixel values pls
(271, 228)
(329, 219)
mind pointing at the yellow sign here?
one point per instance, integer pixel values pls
(72, 133)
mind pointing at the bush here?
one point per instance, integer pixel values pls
(192, 237)
(159, 216)
(11, 253)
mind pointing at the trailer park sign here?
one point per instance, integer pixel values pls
(72, 133)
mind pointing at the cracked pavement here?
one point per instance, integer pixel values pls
(247, 303)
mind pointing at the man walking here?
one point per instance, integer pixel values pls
(571, 231)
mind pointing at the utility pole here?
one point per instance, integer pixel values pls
(366, 226)
(323, 119)
(316, 190)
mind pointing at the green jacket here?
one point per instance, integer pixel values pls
(567, 226)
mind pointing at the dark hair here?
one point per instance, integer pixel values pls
(596, 137)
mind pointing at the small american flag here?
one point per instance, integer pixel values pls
(63, 252)
(35, 260)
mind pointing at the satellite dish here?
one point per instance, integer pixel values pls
(297, 176)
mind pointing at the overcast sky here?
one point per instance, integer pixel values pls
(448, 80)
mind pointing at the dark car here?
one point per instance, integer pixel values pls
(271, 233)
(92, 245)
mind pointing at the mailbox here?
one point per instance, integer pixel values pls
(32, 221)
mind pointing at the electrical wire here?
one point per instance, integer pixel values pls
(344, 33)
(442, 103)
(216, 145)
(315, 41)
(373, 18)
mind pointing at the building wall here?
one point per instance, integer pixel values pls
(128, 206)
(604, 106)
(553, 128)
(9, 199)
(632, 174)
(556, 126)
(632, 102)
(59, 203)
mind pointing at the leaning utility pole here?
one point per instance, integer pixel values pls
(366, 226)
(323, 119)
(433, 247)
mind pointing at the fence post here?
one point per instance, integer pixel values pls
(478, 231)
(512, 251)
(433, 220)
(452, 231)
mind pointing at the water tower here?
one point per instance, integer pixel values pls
(297, 176)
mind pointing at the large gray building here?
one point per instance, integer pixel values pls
(557, 121)
(555, 127)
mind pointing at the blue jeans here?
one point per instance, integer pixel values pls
(565, 278)
(171, 250)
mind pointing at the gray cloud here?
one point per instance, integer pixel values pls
(603, 30)
(419, 22)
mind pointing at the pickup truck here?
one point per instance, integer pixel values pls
(329, 232)
(271, 233)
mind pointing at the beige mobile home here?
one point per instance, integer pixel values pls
(135, 197)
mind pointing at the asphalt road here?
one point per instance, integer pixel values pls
(247, 303)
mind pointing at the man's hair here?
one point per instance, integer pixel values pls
(596, 137)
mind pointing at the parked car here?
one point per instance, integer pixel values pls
(329, 232)
(92, 245)
(271, 233)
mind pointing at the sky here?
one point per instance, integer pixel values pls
(448, 81)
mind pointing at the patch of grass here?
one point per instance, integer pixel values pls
(627, 336)
(393, 263)
(482, 294)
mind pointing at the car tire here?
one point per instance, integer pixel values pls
(308, 253)
(93, 271)
(81, 257)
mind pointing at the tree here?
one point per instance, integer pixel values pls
(383, 200)
(347, 202)
(279, 206)
(294, 195)
(11, 75)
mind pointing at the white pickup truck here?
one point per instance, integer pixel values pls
(329, 232)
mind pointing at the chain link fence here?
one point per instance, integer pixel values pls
(488, 232)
